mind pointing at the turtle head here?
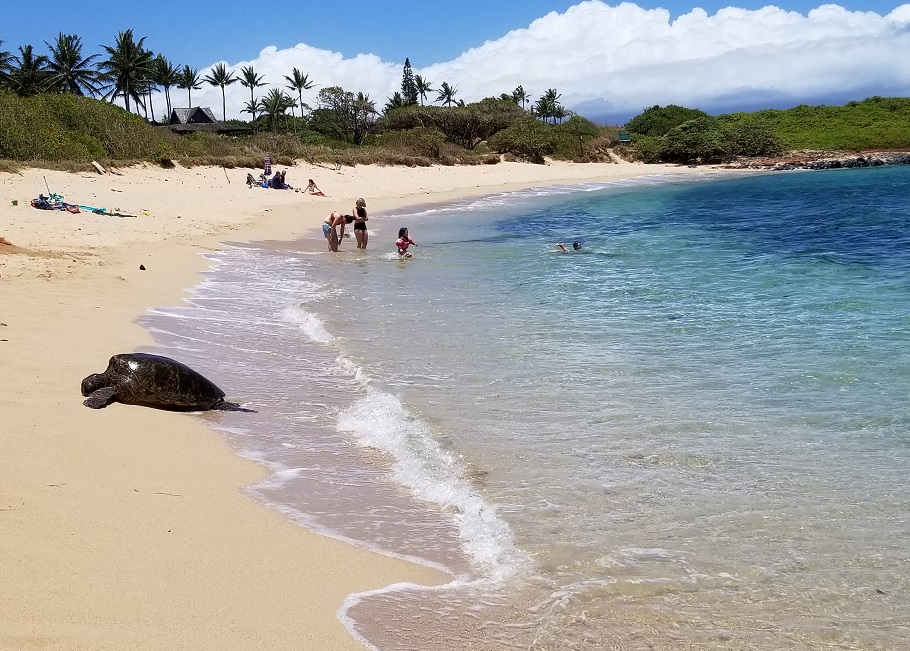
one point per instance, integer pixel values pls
(94, 382)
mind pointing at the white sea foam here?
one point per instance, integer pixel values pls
(436, 475)
(311, 325)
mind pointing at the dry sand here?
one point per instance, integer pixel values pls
(124, 528)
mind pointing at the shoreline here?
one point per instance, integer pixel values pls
(127, 527)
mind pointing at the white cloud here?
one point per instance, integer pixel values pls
(612, 61)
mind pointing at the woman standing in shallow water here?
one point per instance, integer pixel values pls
(360, 224)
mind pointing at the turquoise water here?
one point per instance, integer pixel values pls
(691, 434)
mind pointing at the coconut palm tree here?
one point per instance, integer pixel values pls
(27, 72)
(423, 87)
(394, 102)
(250, 79)
(188, 78)
(5, 58)
(166, 75)
(219, 76)
(446, 94)
(68, 72)
(548, 105)
(127, 69)
(275, 104)
(519, 96)
(253, 107)
(299, 82)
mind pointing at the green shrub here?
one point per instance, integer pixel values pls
(527, 138)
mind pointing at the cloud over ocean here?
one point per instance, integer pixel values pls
(610, 62)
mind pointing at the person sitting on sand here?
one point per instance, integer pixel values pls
(403, 242)
(313, 189)
(278, 181)
(576, 246)
(328, 229)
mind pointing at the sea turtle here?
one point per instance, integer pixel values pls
(153, 381)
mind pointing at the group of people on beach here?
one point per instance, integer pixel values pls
(334, 226)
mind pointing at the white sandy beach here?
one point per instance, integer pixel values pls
(124, 528)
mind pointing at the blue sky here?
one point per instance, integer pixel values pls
(607, 61)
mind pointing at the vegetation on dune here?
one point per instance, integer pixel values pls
(49, 115)
(674, 134)
(874, 123)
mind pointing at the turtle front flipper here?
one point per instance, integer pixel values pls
(99, 398)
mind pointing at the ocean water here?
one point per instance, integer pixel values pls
(692, 434)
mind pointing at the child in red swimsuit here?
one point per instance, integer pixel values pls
(403, 242)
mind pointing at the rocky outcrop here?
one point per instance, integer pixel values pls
(818, 160)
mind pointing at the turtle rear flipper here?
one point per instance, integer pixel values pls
(232, 406)
(99, 398)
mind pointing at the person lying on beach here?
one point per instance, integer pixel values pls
(329, 225)
(576, 246)
(403, 242)
(313, 189)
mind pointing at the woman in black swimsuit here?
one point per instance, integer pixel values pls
(360, 224)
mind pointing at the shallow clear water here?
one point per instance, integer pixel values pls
(692, 434)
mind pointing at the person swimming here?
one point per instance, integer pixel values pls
(576, 246)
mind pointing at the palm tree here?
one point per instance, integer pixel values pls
(423, 87)
(394, 102)
(275, 104)
(446, 94)
(28, 73)
(5, 58)
(68, 72)
(127, 69)
(519, 96)
(548, 105)
(253, 107)
(251, 80)
(299, 82)
(166, 75)
(188, 78)
(221, 77)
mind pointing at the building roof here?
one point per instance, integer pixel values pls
(200, 118)
(192, 115)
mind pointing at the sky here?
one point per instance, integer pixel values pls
(607, 61)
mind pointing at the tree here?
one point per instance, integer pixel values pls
(5, 58)
(423, 87)
(394, 102)
(446, 94)
(250, 79)
(409, 91)
(275, 104)
(343, 115)
(165, 75)
(527, 137)
(28, 73)
(128, 67)
(68, 71)
(658, 121)
(219, 76)
(548, 106)
(519, 96)
(253, 107)
(188, 78)
(299, 82)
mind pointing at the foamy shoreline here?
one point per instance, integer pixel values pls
(124, 528)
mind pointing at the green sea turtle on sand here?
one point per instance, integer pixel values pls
(153, 381)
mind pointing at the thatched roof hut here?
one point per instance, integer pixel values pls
(200, 118)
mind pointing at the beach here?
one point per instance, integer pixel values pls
(126, 527)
